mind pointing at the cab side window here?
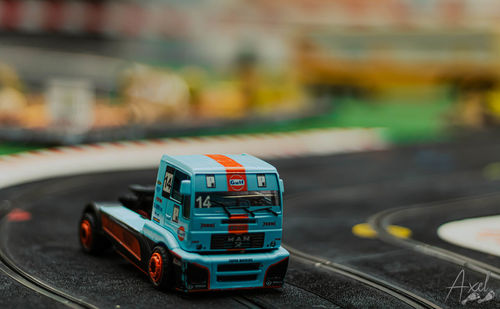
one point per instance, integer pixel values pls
(176, 194)
(178, 178)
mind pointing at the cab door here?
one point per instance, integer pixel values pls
(177, 212)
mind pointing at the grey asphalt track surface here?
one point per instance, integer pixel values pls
(325, 197)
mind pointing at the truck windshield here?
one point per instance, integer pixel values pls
(237, 199)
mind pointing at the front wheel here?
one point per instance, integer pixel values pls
(159, 268)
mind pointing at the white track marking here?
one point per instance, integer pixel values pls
(72, 160)
(481, 234)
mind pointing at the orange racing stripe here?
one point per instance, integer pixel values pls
(237, 228)
(235, 172)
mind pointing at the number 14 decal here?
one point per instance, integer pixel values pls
(203, 203)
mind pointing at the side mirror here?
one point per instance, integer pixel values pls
(185, 187)
(282, 185)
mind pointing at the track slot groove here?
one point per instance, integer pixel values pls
(401, 294)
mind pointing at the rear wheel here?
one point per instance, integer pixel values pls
(159, 268)
(91, 238)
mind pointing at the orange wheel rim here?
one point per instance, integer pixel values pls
(86, 233)
(155, 267)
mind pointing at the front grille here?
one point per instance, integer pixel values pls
(236, 278)
(237, 241)
(238, 267)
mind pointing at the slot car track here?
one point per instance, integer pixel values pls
(13, 271)
(325, 196)
(224, 300)
(9, 267)
(382, 220)
(403, 295)
(64, 298)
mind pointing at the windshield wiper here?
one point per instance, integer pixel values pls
(245, 208)
(252, 212)
(268, 209)
(226, 210)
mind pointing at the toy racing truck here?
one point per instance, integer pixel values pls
(210, 222)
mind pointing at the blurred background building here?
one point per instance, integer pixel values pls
(77, 71)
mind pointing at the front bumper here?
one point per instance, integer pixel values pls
(195, 272)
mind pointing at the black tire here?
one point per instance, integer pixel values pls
(160, 268)
(91, 238)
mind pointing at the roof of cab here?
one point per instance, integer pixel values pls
(202, 164)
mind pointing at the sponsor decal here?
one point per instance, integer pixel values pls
(156, 219)
(261, 180)
(246, 260)
(210, 181)
(236, 178)
(236, 182)
(167, 181)
(238, 227)
(240, 260)
(175, 214)
(207, 225)
(181, 233)
(199, 286)
(159, 199)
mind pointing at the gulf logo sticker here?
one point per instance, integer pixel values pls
(236, 182)
(181, 233)
(235, 172)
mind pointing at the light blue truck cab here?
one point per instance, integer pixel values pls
(218, 219)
